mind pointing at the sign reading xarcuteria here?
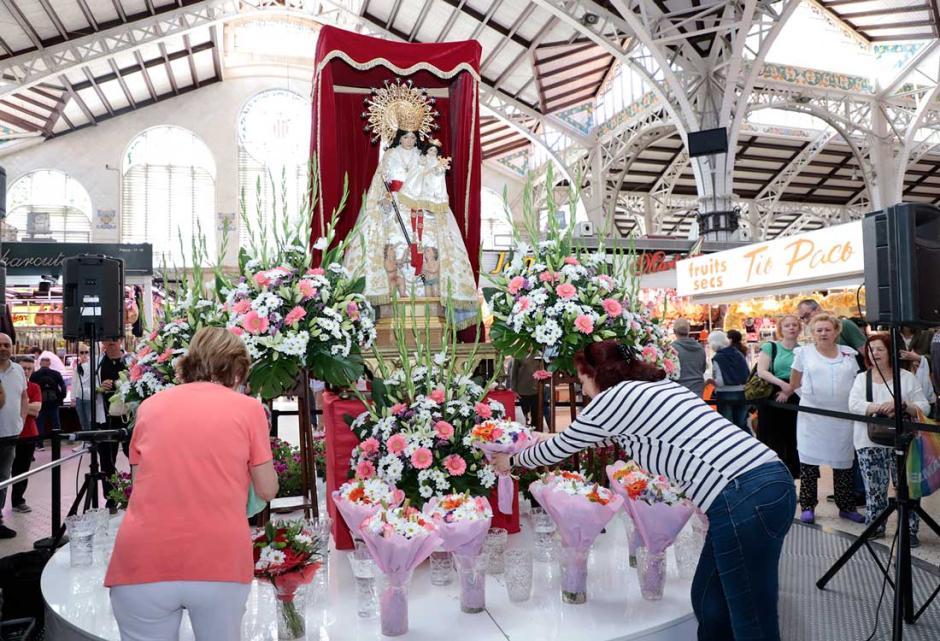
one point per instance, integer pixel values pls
(38, 258)
(818, 257)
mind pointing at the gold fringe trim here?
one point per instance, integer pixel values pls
(404, 71)
(428, 205)
(387, 300)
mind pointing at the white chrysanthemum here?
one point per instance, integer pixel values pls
(548, 333)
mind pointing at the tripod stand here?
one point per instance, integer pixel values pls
(905, 506)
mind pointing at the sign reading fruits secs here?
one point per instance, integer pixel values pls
(821, 255)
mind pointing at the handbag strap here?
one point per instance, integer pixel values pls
(868, 384)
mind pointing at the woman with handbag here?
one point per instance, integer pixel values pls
(872, 394)
(823, 374)
(777, 427)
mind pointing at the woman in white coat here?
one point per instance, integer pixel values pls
(877, 461)
(823, 375)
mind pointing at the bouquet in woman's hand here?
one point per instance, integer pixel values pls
(359, 499)
(501, 437)
(462, 521)
(288, 554)
(399, 540)
(657, 508)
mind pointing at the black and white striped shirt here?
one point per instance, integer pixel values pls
(667, 430)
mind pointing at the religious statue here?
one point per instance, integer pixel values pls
(409, 241)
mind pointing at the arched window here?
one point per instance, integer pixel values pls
(48, 205)
(495, 221)
(273, 151)
(168, 193)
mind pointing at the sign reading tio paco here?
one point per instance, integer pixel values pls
(821, 255)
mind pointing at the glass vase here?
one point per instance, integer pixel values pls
(441, 568)
(471, 570)
(633, 539)
(651, 573)
(519, 575)
(81, 529)
(574, 562)
(494, 546)
(688, 547)
(393, 606)
(291, 621)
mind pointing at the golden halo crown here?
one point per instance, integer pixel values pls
(399, 105)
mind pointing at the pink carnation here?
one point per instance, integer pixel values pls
(571, 260)
(612, 307)
(255, 324)
(294, 315)
(650, 354)
(455, 465)
(365, 470)
(444, 430)
(316, 271)
(566, 291)
(166, 355)
(422, 458)
(523, 303)
(541, 375)
(584, 324)
(437, 395)
(369, 447)
(136, 372)
(516, 284)
(261, 279)
(396, 444)
(238, 331)
(547, 277)
(398, 408)
(483, 409)
(307, 290)
(242, 306)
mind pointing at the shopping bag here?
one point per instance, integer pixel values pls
(923, 462)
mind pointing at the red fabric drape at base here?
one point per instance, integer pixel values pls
(347, 61)
(340, 442)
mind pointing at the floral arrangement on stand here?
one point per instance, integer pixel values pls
(557, 298)
(121, 487)
(288, 554)
(287, 464)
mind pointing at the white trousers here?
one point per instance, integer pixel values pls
(153, 611)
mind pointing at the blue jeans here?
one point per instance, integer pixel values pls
(737, 414)
(734, 592)
(47, 420)
(83, 407)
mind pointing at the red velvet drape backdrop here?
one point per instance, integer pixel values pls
(347, 62)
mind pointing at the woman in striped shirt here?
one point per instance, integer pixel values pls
(741, 485)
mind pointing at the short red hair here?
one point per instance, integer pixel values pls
(885, 338)
(605, 363)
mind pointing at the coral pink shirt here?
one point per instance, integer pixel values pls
(194, 446)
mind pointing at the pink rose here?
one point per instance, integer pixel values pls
(166, 355)
(541, 375)
(365, 470)
(255, 324)
(484, 410)
(352, 310)
(571, 260)
(369, 447)
(306, 288)
(455, 465)
(516, 284)
(444, 430)
(242, 306)
(136, 372)
(261, 279)
(584, 324)
(238, 331)
(294, 315)
(396, 444)
(547, 277)
(612, 307)
(398, 408)
(422, 458)
(437, 395)
(316, 271)
(566, 291)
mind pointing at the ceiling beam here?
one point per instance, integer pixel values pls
(169, 69)
(94, 85)
(216, 53)
(89, 15)
(192, 61)
(119, 8)
(135, 68)
(23, 23)
(146, 74)
(124, 88)
(78, 99)
(54, 18)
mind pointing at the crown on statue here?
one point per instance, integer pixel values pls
(399, 105)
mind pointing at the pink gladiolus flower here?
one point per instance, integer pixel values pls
(316, 271)
(422, 458)
(166, 355)
(437, 395)
(547, 277)
(261, 279)
(294, 315)
(238, 331)
(255, 324)
(612, 307)
(307, 290)
(516, 284)
(566, 291)
(369, 447)
(144, 351)
(571, 260)
(352, 310)
(242, 306)
(365, 470)
(444, 430)
(541, 375)
(484, 410)
(136, 372)
(396, 444)
(455, 465)
(584, 324)
(398, 408)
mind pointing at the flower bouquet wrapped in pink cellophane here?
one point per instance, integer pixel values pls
(359, 499)
(659, 512)
(580, 510)
(399, 540)
(502, 437)
(462, 522)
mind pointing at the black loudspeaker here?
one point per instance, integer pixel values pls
(902, 252)
(3, 192)
(718, 221)
(708, 142)
(92, 297)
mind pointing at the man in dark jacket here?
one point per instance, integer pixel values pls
(691, 358)
(53, 390)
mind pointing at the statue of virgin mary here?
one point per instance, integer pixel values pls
(409, 241)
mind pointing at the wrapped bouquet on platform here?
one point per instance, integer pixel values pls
(502, 437)
(359, 499)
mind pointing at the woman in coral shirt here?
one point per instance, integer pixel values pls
(185, 541)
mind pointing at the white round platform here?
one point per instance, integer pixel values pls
(78, 607)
